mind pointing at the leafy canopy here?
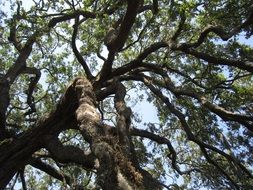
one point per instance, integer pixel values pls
(191, 59)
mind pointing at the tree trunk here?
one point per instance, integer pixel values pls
(116, 164)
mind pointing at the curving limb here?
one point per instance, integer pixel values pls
(77, 53)
(189, 87)
(64, 17)
(226, 115)
(123, 117)
(162, 140)
(167, 83)
(126, 25)
(119, 40)
(244, 65)
(50, 170)
(180, 27)
(68, 154)
(32, 86)
(191, 136)
(218, 30)
(137, 61)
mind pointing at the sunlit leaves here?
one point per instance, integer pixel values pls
(226, 86)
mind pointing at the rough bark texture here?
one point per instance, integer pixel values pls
(155, 50)
(78, 110)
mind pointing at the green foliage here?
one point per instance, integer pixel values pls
(226, 86)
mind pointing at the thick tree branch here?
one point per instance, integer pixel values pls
(22, 177)
(136, 62)
(244, 65)
(32, 85)
(126, 25)
(187, 129)
(91, 129)
(155, 6)
(180, 27)
(245, 120)
(20, 64)
(124, 116)
(10, 77)
(50, 170)
(54, 21)
(17, 151)
(105, 148)
(161, 140)
(68, 153)
(106, 68)
(119, 40)
(226, 115)
(218, 30)
(77, 53)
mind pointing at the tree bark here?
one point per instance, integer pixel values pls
(116, 168)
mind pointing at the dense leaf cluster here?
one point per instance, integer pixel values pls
(72, 74)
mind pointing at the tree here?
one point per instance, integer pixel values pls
(71, 72)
